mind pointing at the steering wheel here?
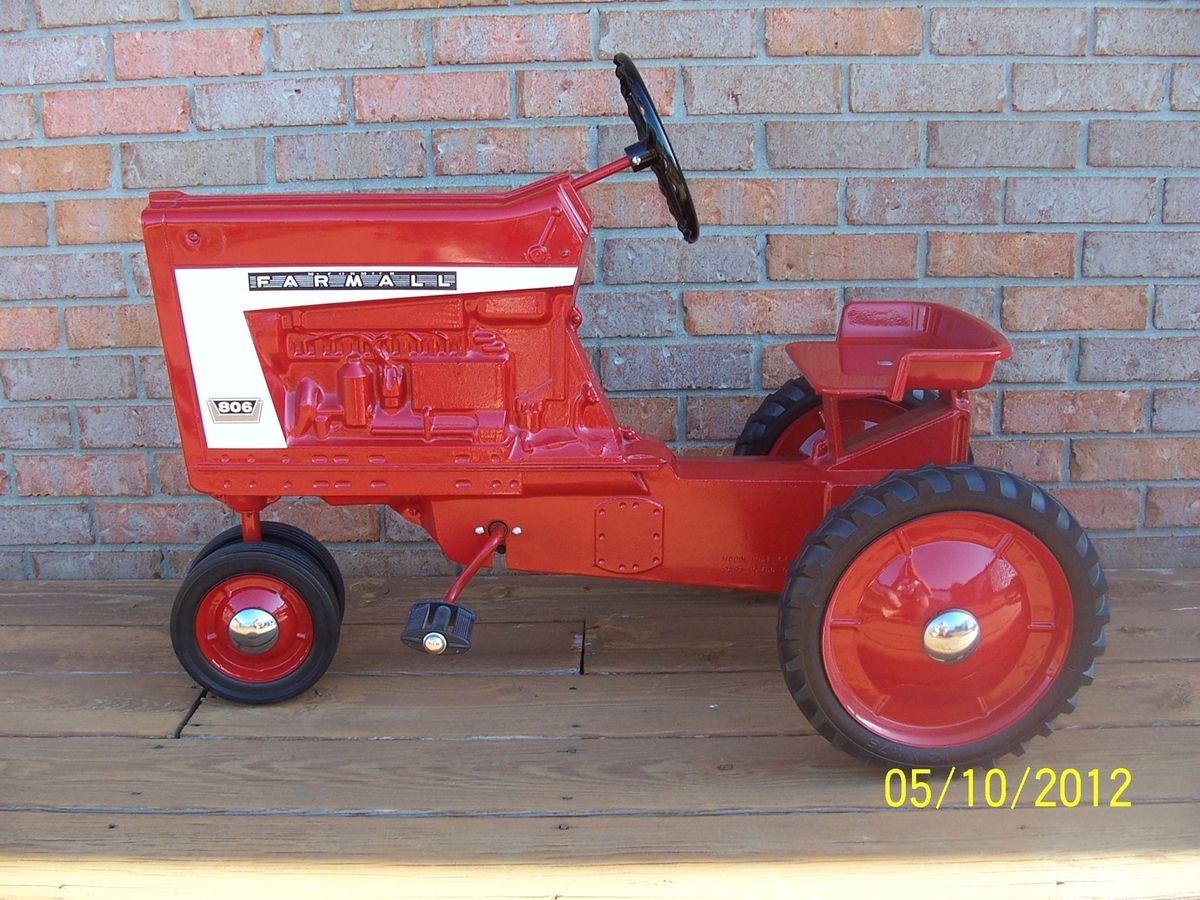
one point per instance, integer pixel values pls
(653, 149)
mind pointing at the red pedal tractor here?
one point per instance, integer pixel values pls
(423, 352)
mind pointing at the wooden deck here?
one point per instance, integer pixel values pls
(603, 739)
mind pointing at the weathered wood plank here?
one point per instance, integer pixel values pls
(663, 705)
(921, 836)
(523, 777)
(541, 647)
(133, 705)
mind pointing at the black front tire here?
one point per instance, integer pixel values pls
(871, 514)
(216, 663)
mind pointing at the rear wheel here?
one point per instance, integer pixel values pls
(789, 421)
(288, 535)
(255, 623)
(942, 617)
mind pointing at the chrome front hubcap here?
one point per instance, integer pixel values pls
(253, 630)
(952, 636)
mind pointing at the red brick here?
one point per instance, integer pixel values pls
(700, 146)
(1135, 459)
(628, 204)
(470, 151)
(1054, 412)
(978, 301)
(1173, 507)
(29, 170)
(1041, 361)
(35, 428)
(172, 474)
(956, 254)
(357, 155)
(209, 9)
(761, 312)
(926, 87)
(272, 103)
(174, 164)
(68, 378)
(397, 528)
(141, 273)
(93, 565)
(127, 426)
(907, 201)
(380, 5)
(511, 39)
(372, 44)
(766, 201)
(671, 34)
(1102, 507)
(547, 93)
(1176, 409)
(12, 15)
(1185, 86)
(671, 366)
(421, 96)
(843, 145)
(836, 257)
(1087, 86)
(1148, 32)
(82, 476)
(154, 376)
(1177, 306)
(718, 417)
(1155, 358)
(1155, 254)
(23, 225)
(668, 261)
(991, 31)
(648, 415)
(45, 523)
(187, 54)
(138, 110)
(61, 275)
(843, 32)
(1036, 460)
(776, 366)
(55, 13)
(1182, 200)
(736, 90)
(56, 60)
(1141, 143)
(17, 117)
(1040, 200)
(627, 314)
(28, 328)
(100, 221)
(1021, 145)
(90, 327)
(983, 411)
(328, 523)
(159, 523)
(1074, 307)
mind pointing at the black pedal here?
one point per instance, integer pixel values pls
(436, 627)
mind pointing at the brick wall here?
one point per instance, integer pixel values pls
(1032, 164)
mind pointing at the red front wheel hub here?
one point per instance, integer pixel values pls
(254, 628)
(947, 630)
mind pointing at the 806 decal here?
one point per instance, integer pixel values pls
(235, 410)
(1069, 788)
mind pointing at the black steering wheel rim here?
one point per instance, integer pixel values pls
(653, 148)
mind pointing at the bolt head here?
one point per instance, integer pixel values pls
(479, 529)
(434, 643)
(516, 529)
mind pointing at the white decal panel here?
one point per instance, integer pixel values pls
(225, 364)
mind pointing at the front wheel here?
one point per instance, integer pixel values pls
(942, 617)
(255, 623)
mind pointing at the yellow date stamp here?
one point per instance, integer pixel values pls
(1067, 788)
